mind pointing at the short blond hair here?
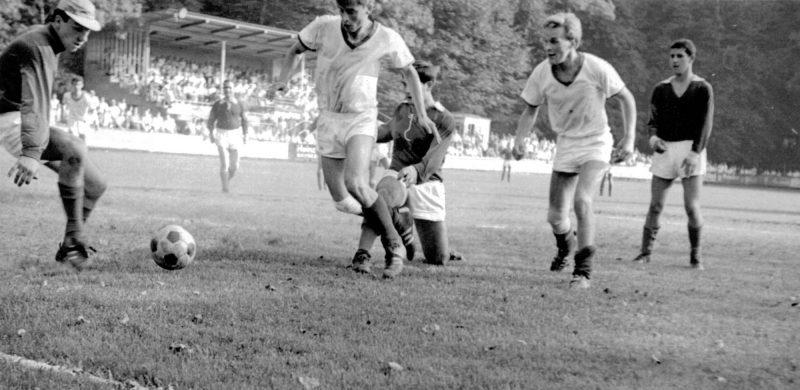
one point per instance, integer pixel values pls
(570, 23)
(365, 3)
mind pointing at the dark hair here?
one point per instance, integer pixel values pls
(685, 44)
(77, 78)
(426, 71)
(58, 12)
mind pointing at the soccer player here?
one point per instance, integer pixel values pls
(28, 69)
(608, 177)
(681, 118)
(351, 47)
(575, 86)
(507, 155)
(227, 128)
(78, 104)
(417, 160)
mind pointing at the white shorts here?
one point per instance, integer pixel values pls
(667, 165)
(78, 127)
(334, 130)
(229, 139)
(426, 200)
(572, 153)
(10, 132)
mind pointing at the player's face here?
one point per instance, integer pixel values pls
(680, 61)
(77, 85)
(354, 16)
(227, 90)
(72, 34)
(556, 45)
(407, 88)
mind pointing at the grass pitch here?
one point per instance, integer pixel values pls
(269, 302)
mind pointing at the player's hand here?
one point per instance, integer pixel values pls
(519, 150)
(408, 176)
(429, 127)
(658, 144)
(277, 88)
(622, 153)
(690, 163)
(24, 170)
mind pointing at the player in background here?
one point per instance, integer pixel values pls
(351, 47)
(78, 105)
(227, 128)
(28, 68)
(608, 177)
(681, 118)
(575, 86)
(417, 159)
(507, 154)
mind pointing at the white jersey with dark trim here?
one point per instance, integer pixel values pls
(579, 109)
(346, 75)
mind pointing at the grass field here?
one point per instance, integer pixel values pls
(270, 304)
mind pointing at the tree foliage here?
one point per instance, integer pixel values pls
(748, 51)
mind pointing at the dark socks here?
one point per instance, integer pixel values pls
(694, 240)
(648, 239)
(72, 199)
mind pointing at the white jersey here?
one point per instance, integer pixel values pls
(347, 77)
(577, 110)
(77, 109)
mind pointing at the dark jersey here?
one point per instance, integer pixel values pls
(506, 153)
(27, 71)
(685, 118)
(413, 146)
(228, 115)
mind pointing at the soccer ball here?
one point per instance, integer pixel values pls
(173, 247)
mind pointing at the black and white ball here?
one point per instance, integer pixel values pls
(173, 247)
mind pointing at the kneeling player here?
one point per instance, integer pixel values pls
(28, 66)
(416, 164)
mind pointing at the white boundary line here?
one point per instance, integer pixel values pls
(33, 364)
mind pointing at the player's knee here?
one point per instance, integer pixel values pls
(74, 152)
(693, 212)
(95, 187)
(656, 208)
(582, 204)
(557, 219)
(356, 187)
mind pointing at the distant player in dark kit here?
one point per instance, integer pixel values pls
(681, 118)
(351, 47)
(414, 179)
(28, 68)
(507, 154)
(575, 86)
(227, 128)
(608, 177)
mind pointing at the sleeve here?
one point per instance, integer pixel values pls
(212, 117)
(310, 34)
(609, 79)
(533, 93)
(434, 159)
(245, 121)
(35, 128)
(652, 123)
(400, 55)
(385, 130)
(701, 141)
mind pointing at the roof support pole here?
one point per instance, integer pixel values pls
(222, 66)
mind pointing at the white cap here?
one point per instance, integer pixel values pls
(81, 11)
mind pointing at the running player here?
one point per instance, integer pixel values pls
(681, 118)
(417, 160)
(28, 68)
(351, 46)
(575, 86)
(227, 128)
(78, 103)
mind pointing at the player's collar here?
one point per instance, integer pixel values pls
(694, 78)
(438, 106)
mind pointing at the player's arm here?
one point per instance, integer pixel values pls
(245, 122)
(628, 108)
(524, 128)
(35, 129)
(701, 140)
(290, 62)
(211, 122)
(434, 158)
(412, 78)
(658, 145)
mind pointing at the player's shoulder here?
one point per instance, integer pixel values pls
(328, 20)
(595, 63)
(701, 82)
(541, 68)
